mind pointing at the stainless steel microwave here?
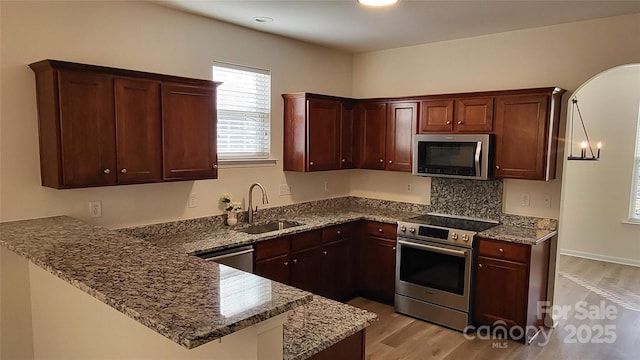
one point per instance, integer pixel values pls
(466, 156)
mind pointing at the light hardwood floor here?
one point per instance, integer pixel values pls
(595, 283)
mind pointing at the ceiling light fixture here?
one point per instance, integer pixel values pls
(377, 3)
(263, 19)
(584, 145)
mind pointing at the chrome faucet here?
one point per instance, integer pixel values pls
(265, 200)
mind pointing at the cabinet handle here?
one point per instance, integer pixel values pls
(286, 263)
(498, 167)
(338, 232)
(295, 261)
(480, 266)
(215, 166)
(379, 229)
(106, 171)
(390, 161)
(460, 122)
(381, 161)
(394, 248)
(124, 171)
(343, 160)
(448, 122)
(311, 163)
(325, 252)
(501, 250)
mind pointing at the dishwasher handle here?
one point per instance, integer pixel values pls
(223, 254)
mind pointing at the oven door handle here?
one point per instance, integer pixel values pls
(457, 253)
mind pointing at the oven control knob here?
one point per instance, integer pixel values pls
(465, 238)
(412, 230)
(403, 228)
(454, 236)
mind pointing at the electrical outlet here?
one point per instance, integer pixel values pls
(95, 209)
(285, 189)
(546, 200)
(326, 186)
(408, 187)
(525, 199)
(192, 200)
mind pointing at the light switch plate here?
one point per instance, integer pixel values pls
(95, 208)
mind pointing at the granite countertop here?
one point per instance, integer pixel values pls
(182, 297)
(214, 238)
(320, 324)
(521, 235)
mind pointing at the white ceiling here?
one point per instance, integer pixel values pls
(345, 25)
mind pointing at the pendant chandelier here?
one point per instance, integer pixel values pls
(585, 144)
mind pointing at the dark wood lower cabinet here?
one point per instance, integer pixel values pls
(337, 278)
(305, 267)
(352, 348)
(511, 282)
(276, 268)
(378, 261)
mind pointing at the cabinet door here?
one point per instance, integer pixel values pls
(139, 130)
(378, 266)
(305, 267)
(337, 269)
(276, 268)
(474, 115)
(521, 136)
(87, 129)
(347, 136)
(401, 125)
(323, 132)
(372, 132)
(189, 132)
(500, 292)
(436, 116)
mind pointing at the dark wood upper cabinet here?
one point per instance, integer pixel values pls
(526, 130)
(401, 125)
(464, 115)
(474, 115)
(105, 126)
(138, 130)
(87, 131)
(372, 132)
(189, 132)
(316, 136)
(323, 118)
(436, 116)
(347, 136)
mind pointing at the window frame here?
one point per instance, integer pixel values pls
(252, 159)
(634, 199)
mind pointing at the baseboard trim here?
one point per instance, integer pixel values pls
(591, 256)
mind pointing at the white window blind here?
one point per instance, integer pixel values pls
(244, 108)
(635, 196)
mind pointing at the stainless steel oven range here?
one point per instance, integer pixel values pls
(433, 268)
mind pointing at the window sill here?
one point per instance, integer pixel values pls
(246, 163)
(632, 222)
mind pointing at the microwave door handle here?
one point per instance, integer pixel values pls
(477, 157)
(457, 253)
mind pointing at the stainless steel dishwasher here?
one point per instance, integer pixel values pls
(239, 257)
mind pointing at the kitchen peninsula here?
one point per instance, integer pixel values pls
(160, 285)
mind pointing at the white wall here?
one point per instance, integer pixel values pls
(148, 37)
(596, 195)
(562, 55)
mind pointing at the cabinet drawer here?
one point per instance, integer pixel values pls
(272, 248)
(504, 250)
(387, 231)
(306, 240)
(337, 232)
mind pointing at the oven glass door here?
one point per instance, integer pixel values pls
(435, 270)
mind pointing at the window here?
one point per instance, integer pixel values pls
(635, 195)
(244, 108)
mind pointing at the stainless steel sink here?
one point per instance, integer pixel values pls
(270, 226)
